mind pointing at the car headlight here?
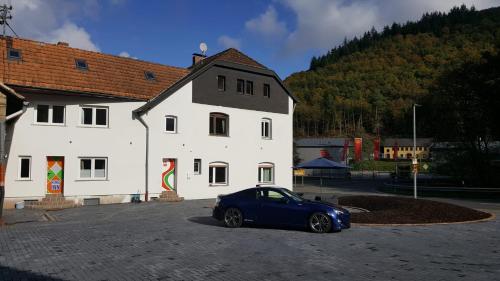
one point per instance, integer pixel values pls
(217, 201)
(338, 212)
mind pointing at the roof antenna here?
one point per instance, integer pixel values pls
(4, 16)
(203, 48)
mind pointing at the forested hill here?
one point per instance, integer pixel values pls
(371, 82)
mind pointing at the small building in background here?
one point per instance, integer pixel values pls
(331, 148)
(312, 148)
(402, 148)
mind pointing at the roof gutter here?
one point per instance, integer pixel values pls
(18, 113)
(146, 168)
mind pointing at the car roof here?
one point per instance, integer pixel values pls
(264, 187)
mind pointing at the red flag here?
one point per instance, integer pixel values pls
(358, 143)
(376, 149)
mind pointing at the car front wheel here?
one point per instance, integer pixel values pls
(320, 223)
(233, 218)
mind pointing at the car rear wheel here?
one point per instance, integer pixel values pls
(233, 217)
(320, 223)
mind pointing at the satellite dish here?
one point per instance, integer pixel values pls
(203, 48)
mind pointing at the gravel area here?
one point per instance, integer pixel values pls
(399, 210)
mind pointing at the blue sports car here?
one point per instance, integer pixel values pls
(276, 206)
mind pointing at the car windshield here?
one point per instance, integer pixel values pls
(292, 195)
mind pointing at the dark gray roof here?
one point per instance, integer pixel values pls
(321, 142)
(407, 142)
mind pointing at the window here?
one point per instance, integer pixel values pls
(57, 114)
(42, 113)
(81, 64)
(170, 124)
(94, 116)
(266, 173)
(24, 168)
(270, 195)
(265, 128)
(217, 174)
(93, 168)
(221, 83)
(14, 54)
(49, 114)
(219, 124)
(197, 167)
(149, 75)
(240, 86)
(249, 88)
(267, 90)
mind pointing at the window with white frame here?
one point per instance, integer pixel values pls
(94, 116)
(197, 166)
(218, 173)
(170, 124)
(24, 168)
(49, 114)
(265, 128)
(93, 168)
(266, 173)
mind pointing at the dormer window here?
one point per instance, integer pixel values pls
(240, 86)
(267, 90)
(149, 75)
(14, 54)
(249, 88)
(221, 83)
(81, 64)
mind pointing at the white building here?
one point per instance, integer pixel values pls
(90, 125)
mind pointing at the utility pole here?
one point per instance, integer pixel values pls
(4, 17)
(415, 161)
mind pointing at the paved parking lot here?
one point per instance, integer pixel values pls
(159, 241)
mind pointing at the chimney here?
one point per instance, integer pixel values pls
(197, 58)
(65, 44)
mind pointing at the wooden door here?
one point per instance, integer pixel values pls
(55, 174)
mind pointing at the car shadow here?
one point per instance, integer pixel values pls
(10, 273)
(213, 222)
(206, 221)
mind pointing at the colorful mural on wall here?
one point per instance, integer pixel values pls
(168, 174)
(55, 175)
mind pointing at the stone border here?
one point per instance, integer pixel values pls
(490, 218)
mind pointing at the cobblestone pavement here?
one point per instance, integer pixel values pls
(161, 241)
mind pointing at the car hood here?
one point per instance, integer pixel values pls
(323, 204)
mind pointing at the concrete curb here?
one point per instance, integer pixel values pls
(490, 218)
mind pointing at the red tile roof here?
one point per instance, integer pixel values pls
(52, 66)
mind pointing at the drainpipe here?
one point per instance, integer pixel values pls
(3, 146)
(138, 116)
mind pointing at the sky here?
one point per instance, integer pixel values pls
(281, 34)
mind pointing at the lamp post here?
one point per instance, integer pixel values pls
(415, 162)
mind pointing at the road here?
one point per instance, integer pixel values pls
(180, 241)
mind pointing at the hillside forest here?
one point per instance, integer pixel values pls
(368, 85)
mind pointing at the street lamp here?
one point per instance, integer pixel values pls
(415, 162)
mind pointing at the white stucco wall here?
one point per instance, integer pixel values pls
(242, 150)
(122, 143)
